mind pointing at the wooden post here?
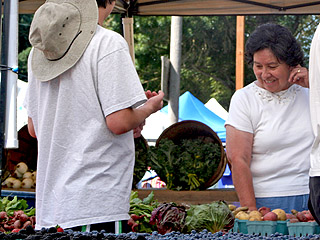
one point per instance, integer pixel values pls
(240, 53)
(128, 34)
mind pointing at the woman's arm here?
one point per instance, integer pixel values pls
(239, 150)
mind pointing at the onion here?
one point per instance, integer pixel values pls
(27, 183)
(22, 167)
(16, 183)
(27, 175)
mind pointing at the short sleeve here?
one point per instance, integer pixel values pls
(239, 112)
(119, 86)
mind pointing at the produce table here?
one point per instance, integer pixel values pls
(192, 197)
(188, 197)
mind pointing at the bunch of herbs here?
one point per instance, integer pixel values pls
(188, 165)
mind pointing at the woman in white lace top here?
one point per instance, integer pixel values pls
(269, 134)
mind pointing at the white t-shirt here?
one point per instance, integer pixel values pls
(84, 171)
(314, 83)
(282, 137)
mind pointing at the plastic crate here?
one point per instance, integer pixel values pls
(300, 229)
(317, 228)
(282, 227)
(235, 226)
(262, 228)
(240, 226)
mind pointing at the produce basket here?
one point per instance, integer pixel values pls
(317, 229)
(262, 228)
(193, 154)
(300, 229)
(282, 227)
(240, 226)
(27, 152)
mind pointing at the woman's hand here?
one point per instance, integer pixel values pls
(299, 75)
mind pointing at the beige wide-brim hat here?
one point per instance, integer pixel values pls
(60, 32)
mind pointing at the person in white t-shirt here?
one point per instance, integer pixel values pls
(314, 181)
(268, 130)
(84, 101)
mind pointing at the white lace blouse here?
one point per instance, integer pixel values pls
(281, 128)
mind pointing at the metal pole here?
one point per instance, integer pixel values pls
(1, 30)
(11, 135)
(4, 62)
(175, 59)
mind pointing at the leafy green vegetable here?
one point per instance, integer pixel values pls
(188, 165)
(30, 212)
(214, 217)
(10, 206)
(142, 208)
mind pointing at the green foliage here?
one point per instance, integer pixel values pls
(23, 64)
(209, 53)
(10, 206)
(214, 217)
(188, 165)
(24, 45)
(143, 208)
(208, 49)
(152, 40)
(24, 26)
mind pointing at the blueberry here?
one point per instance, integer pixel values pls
(30, 230)
(52, 230)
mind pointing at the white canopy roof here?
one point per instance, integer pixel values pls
(200, 7)
(215, 107)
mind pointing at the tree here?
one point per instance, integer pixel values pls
(24, 46)
(208, 49)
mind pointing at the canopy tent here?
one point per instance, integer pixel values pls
(22, 115)
(200, 7)
(215, 107)
(191, 108)
(155, 124)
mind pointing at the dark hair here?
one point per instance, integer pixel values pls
(279, 40)
(103, 3)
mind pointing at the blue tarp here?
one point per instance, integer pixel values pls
(191, 108)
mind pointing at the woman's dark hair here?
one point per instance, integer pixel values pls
(103, 3)
(279, 40)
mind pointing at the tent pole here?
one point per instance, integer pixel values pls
(1, 7)
(175, 59)
(11, 135)
(127, 23)
(4, 62)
